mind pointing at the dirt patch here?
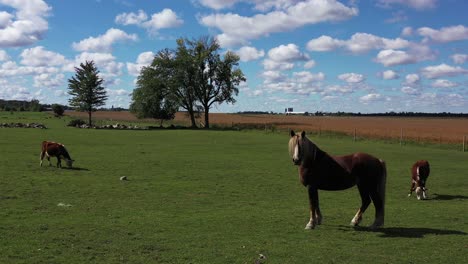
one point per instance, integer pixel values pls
(438, 130)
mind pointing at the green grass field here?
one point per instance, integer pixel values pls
(197, 196)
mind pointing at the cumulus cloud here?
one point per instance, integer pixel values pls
(131, 18)
(309, 64)
(103, 43)
(412, 79)
(38, 56)
(358, 43)
(238, 30)
(372, 97)
(407, 31)
(164, 19)
(26, 25)
(352, 77)
(442, 70)
(308, 77)
(445, 34)
(417, 53)
(144, 59)
(457, 58)
(49, 80)
(389, 75)
(4, 55)
(410, 90)
(283, 57)
(416, 4)
(248, 53)
(261, 5)
(442, 83)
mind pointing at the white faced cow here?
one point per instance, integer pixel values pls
(419, 173)
(53, 149)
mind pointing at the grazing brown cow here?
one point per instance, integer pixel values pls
(419, 174)
(53, 149)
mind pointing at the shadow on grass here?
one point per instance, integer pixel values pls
(75, 168)
(447, 197)
(408, 232)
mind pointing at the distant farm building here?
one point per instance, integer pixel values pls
(290, 111)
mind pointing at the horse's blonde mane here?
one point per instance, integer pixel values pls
(307, 145)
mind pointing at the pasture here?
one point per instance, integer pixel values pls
(198, 196)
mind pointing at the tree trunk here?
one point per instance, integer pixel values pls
(192, 118)
(89, 118)
(207, 117)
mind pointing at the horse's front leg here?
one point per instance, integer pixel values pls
(315, 215)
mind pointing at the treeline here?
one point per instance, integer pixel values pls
(18, 105)
(393, 114)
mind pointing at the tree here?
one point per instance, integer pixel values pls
(151, 98)
(86, 89)
(215, 79)
(58, 109)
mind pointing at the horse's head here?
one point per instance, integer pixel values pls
(296, 147)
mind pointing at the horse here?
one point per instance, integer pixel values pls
(53, 149)
(320, 171)
(419, 174)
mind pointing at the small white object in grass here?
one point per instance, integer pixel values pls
(123, 178)
(64, 205)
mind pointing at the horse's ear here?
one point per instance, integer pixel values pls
(292, 133)
(303, 134)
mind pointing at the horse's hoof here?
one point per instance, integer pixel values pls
(309, 226)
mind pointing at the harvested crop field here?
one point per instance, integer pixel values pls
(438, 130)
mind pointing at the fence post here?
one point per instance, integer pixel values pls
(464, 140)
(354, 135)
(401, 136)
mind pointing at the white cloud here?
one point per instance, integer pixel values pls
(442, 83)
(389, 75)
(459, 58)
(442, 70)
(286, 53)
(372, 97)
(416, 54)
(262, 5)
(352, 77)
(144, 59)
(103, 43)
(445, 34)
(248, 53)
(358, 43)
(237, 29)
(4, 55)
(38, 56)
(164, 19)
(407, 31)
(131, 18)
(49, 80)
(308, 77)
(333, 89)
(309, 64)
(410, 90)
(412, 79)
(416, 4)
(26, 26)
(283, 57)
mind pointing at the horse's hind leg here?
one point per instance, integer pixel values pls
(365, 201)
(379, 210)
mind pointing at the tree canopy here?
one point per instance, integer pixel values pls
(194, 76)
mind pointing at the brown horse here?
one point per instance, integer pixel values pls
(320, 171)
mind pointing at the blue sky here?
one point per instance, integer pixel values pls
(316, 55)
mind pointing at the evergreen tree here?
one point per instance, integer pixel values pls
(86, 89)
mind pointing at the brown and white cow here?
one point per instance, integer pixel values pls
(53, 149)
(419, 174)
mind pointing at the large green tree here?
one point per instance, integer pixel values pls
(152, 98)
(216, 78)
(86, 89)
